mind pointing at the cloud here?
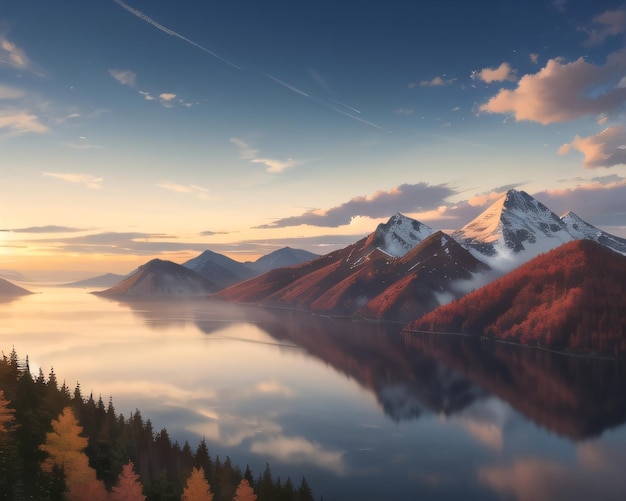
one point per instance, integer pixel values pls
(86, 179)
(246, 152)
(19, 122)
(275, 166)
(597, 474)
(435, 82)
(609, 23)
(499, 74)
(403, 198)
(125, 77)
(563, 91)
(209, 233)
(606, 149)
(534, 58)
(12, 55)
(51, 228)
(146, 95)
(181, 188)
(403, 111)
(299, 450)
(599, 201)
(158, 26)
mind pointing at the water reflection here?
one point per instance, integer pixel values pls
(362, 410)
(414, 373)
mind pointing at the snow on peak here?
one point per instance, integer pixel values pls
(400, 234)
(580, 229)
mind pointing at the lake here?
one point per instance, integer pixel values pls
(362, 410)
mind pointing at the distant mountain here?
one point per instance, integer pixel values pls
(580, 229)
(572, 298)
(219, 269)
(12, 275)
(280, 258)
(106, 280)
(392, 274)
(159, 278)
(7, 289)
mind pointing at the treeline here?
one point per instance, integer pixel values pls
(572, 298)
(56, 444)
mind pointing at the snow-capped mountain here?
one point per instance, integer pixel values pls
(580, 230)
(159, 278)
(219, 269)
(513, 230)
(399, 235)
(280, 258)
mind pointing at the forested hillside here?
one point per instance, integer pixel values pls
(572, 298)
(58, 445)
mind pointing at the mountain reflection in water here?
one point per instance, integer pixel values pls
(363, 410)
(411, 373)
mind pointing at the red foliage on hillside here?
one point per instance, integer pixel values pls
(572, 298)
(363, 280)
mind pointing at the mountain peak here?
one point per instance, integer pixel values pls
(399, 235)
(515, 222)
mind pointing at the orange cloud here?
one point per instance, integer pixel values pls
(606, 149)
(562, 91)
(499, 74)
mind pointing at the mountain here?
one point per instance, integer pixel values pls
(571, 299)
(280, 258)
(391, 274)
(513, 230)
(399, 235)
(219, 269)
(7, 289)
(159, 278)
(106, 280)
(580, 229)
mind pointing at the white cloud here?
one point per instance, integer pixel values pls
(403, 111)
(167, 96)
(435, 82)
(606, 149)
(85, 179)
(146, 95)
(298, 450)
(274, 165)
(499, 74)
(199, 191)
(125, 77)
(246, 152)
(19, 122)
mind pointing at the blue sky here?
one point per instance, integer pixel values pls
(136, 129)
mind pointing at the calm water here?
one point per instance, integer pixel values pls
(363, 411)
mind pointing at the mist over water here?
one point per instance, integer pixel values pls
(360, 409)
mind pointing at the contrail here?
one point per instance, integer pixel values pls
(345, 105)
(358, 119)
(287, 86)
(151, 21)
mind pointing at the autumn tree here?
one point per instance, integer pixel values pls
(244, 492)
(128, 487)
(64, 446)
(197, 488)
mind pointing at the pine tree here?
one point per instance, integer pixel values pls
(197, 488)
(244, 492)
(64, 446)
(128, 487)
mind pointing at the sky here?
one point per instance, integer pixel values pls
(134, 129)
